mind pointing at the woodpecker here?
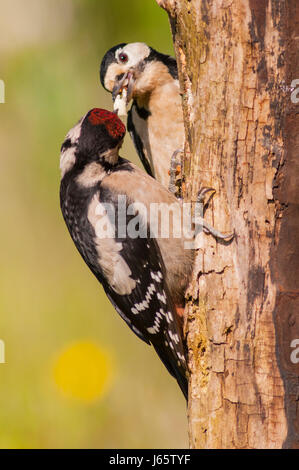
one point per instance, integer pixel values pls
(144, 277)
(138, 72)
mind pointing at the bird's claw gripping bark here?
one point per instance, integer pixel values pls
(201, 223)
(175, 187)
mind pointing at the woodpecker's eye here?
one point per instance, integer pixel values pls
(123, 57)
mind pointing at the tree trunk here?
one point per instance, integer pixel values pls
(237, 60)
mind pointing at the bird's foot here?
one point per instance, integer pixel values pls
(200, 223)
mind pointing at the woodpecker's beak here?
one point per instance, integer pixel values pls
(125, 82)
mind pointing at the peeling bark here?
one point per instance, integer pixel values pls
(236, 61)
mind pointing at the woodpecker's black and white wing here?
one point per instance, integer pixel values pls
(135, 283)
(138, 143)
(148, 309)
(131, 271)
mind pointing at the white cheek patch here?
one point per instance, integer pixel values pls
(67, 156)
(67, 160)
(74, 133)
(136, 52)
(112, 72)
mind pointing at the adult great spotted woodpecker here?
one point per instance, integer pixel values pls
(138, 72)
(144, 277)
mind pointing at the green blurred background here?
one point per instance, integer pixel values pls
(75, 376)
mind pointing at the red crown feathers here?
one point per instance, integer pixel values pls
(110, 120)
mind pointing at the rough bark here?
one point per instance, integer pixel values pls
(236, 61)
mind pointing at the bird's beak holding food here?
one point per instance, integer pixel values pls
(122, 93)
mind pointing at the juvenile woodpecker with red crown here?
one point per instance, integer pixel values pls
(144, 277)
(149, 78)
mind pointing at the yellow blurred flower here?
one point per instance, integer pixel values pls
(83, 370)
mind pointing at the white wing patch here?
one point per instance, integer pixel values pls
(162, 297)
(174, 337)
(169, 317)
(157, 277)
(113, 265)
(156, 326)
(145, 304)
